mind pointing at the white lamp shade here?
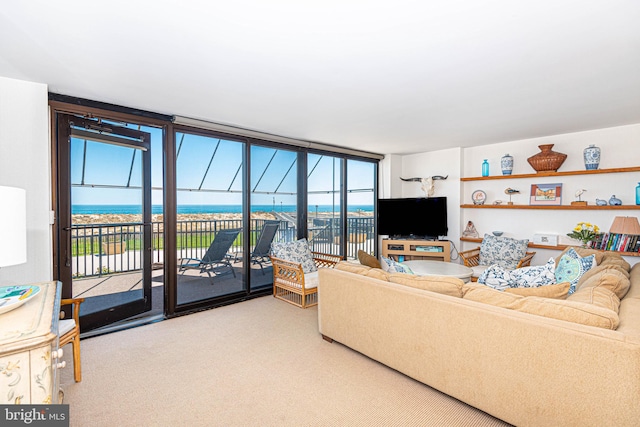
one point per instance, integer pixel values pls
(13, 226)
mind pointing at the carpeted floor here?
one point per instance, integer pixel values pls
(257, 363)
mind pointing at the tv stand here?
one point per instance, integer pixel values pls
(410, 249)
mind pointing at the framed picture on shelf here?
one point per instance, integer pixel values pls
(546, 195)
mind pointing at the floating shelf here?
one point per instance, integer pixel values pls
(557, 247)
(551, 207)
(567, 173)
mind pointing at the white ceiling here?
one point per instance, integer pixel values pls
(381, 76)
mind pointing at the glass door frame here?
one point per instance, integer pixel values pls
(66, 125)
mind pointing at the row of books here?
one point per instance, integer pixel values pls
(617, 242)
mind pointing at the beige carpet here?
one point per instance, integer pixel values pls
(256, 363)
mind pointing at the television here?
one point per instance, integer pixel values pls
(419, 218)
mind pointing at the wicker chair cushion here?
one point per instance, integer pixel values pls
(311, 280)
(504, 251)
(297, 251)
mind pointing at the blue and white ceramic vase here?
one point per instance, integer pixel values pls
(506, 163)
(591, 157)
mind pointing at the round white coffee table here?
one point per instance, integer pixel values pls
(439, 268)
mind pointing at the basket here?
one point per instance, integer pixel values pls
(547, 160)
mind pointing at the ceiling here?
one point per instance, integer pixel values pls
(386, 77)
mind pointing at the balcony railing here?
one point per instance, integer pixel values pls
(102, 249)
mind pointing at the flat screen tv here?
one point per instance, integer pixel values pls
(424, 217)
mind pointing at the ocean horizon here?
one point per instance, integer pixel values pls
(203, 209)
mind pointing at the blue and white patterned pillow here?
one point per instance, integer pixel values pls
(527, 277)
(393, 266)
(572, 266)
(504, 251)
(297, 251)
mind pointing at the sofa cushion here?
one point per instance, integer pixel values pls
(555, 291)
(441, 284)
(352, 267)
(297, 251)
(601, 297)
(379, 274)
(572, 266)
(368, 259)
(393, 266)
(526, 277)
(609, 277)
(504, 251)
(571, 311)
(584, 252)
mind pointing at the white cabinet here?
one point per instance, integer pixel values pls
(29, 349)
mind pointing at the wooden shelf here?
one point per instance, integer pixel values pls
(557, 247)
(567, 173)
(550, 207)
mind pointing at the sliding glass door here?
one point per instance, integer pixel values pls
(210, 193)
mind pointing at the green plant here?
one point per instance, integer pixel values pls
(585, 232)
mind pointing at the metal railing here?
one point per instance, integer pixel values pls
(102, 249)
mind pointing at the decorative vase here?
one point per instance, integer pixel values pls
(547, 160)
(591, 157)
(638, 194)
(506, 163)
(485, 168)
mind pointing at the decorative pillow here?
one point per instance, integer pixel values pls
(297, 251)
(393, 266)
(504, 251)
(368, 260)
(571, 268)
(527, 277)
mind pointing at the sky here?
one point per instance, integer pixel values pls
(220, 175)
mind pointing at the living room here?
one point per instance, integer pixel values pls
(582, 105)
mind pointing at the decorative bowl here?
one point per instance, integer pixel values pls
(497, 233)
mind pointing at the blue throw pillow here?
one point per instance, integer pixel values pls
(572, 266)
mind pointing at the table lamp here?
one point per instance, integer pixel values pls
(13, 226)
(625, 225)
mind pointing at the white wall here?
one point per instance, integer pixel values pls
(25, 163)
(620, 148)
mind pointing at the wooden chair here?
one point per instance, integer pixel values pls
(471, 259)
(292, 285)
(69, 330)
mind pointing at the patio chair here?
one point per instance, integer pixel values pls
(262, 250)
(69, 331)
(215, 261)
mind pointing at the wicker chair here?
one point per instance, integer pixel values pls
(471, 259)
(292, 285)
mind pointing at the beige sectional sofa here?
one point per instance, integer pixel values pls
(518, 360)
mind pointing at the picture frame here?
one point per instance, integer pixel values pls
(545, 195)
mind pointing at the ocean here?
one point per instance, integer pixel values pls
(203, 209)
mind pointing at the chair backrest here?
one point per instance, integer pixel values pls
(263, 245)
(220, 245)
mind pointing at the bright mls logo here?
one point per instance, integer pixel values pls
(35, 415)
